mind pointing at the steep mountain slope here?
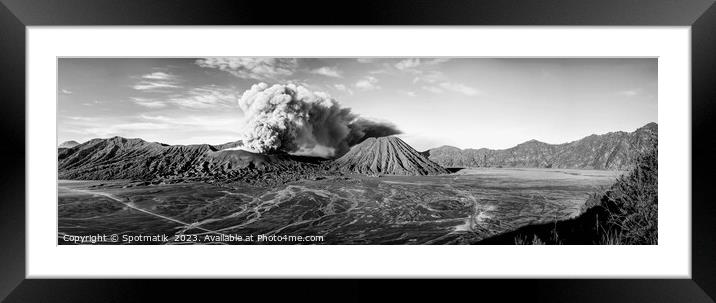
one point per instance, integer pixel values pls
(387, 155)
(615, 150)
(122, 158)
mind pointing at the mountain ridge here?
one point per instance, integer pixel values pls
(613, 150)
(136, 159)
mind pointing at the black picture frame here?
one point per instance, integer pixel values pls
(16, 15)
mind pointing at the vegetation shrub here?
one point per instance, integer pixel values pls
(632, 203)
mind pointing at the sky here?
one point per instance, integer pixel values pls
(464, 102)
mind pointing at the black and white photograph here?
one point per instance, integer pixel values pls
(168, 148)
(359, 151)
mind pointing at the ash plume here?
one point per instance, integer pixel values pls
(290, 118)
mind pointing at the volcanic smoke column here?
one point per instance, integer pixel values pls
(290, 118)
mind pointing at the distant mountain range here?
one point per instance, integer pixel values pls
(387, 155)
(122, 158)
(614, 151)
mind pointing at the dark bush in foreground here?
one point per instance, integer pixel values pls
(625, 213)
(632, 204)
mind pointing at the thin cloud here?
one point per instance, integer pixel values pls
(432, 89)
(159, 76)
(343, 88)
(157, 82)
(327, 71)
(154, 86)
(460, 88)
(436, 61)
(207, 97)
(148, 102)
(194, 120)
(430, 77)
(367, 83)
(94, 102)
(629, 92)
(378, 71)
(407, 92)
(252, 68)
(452, 87)
(203, 97)
(65, 92)
(415, 65)
(408, 64)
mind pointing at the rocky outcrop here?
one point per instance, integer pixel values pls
(386, 155)
(615, 150)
